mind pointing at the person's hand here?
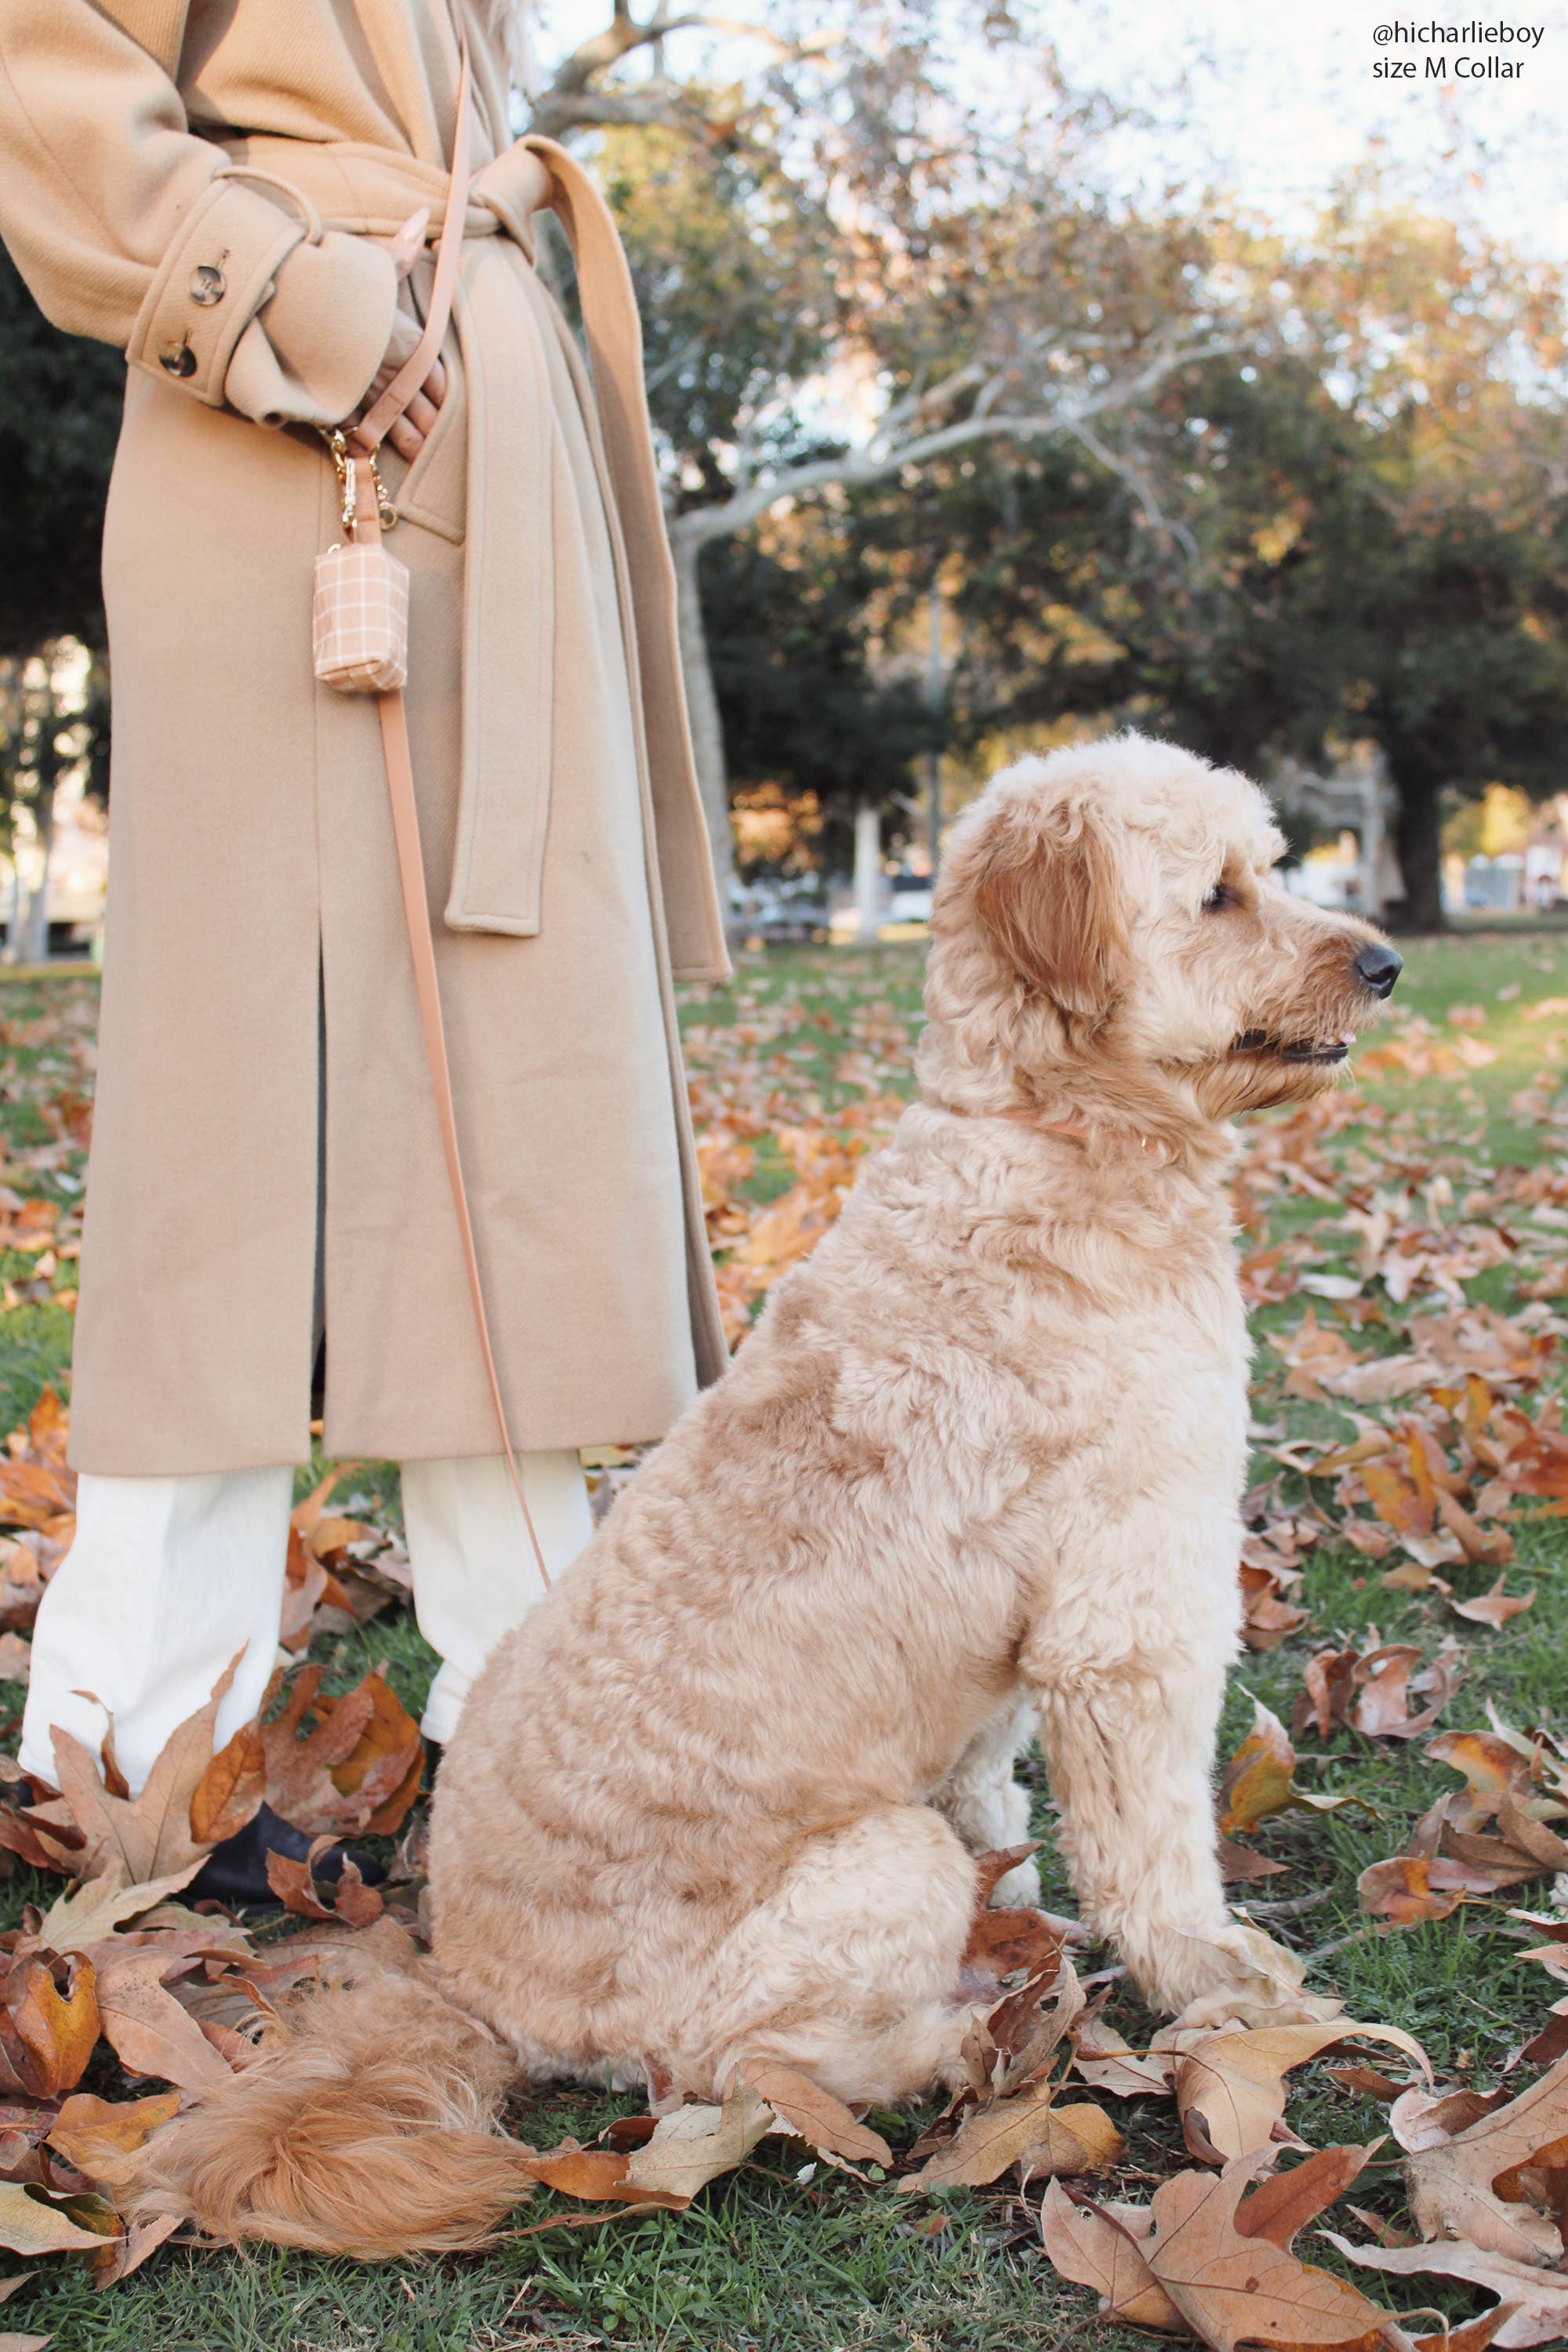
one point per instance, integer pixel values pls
(407, 437)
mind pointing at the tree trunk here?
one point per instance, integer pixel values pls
(868, 870)
(702, 707)
(1419, 836)
(29, 940)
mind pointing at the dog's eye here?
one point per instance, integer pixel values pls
(1219, 896)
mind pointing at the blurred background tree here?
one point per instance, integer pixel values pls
(973, 440)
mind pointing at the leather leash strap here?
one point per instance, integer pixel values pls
(369, 435)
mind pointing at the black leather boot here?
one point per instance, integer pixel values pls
(234, 1873)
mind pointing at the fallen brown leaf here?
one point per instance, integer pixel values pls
(1494, 1608)
(1093, 2246)
(50, 2029)
(1533, 2302)
(98, 2135)
(85, 1914)
(696, 2144)
(231, 1790)
(146, 2027)
(803, 2109)
(1028, 2132)
(1260, 1778)
(338, 1766)
(1230, 2084)
(30, 2224)
(1226, 2277)
(124, 2254)
(1411, 1887)
(1369, 1690)
(1107, 2063)
(148, 1837)
(293, 1882)
(1452, 2182)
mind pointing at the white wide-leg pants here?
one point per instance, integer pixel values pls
(170, 1577)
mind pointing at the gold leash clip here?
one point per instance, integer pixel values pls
(345, 465)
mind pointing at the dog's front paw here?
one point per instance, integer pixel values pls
(1223, 1975)
(1252, 1981)
(1019, 1891)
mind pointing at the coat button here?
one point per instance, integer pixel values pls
(178, 359)
(208, 284)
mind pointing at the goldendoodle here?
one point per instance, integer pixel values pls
(974, 1478)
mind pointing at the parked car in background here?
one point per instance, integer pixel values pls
(791, 912)
(909, 896)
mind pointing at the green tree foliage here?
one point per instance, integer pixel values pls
(61, 399)
(1353, 527)
(799, 690)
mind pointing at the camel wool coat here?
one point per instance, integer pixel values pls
(202, 183)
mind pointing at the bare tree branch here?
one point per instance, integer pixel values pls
(573, 100)
(1128, 471)
(890, 450)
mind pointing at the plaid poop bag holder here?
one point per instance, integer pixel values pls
(359, 614)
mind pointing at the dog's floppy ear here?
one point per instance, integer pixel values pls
(1049, 895)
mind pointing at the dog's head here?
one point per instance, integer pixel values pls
(1112, 911)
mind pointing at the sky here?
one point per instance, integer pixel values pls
(1281, 96)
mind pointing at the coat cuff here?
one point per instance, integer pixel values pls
(253, 306)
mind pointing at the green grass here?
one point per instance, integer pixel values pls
(826, 2264)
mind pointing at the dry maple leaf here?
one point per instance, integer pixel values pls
(595, 2175)
(1268, 1618)
(1453, 2182)
(385, 1765)
(294, 1883)
(696, 2144)
(1233, 2286)
(148, 1837)
(1494, 1608)
(684, 2151)
(38, 1489)
(1102, 2246)
(1107, 2063)
(127, 2252)
(1410, 1887)
(43, 1837)
(1029, 2131)
(1202, 2254)
(358, 1766)
(49, 2025)
(333, 1577)
(30, 2224)
(89, 1912)
(231, 1790)
(146, 2027)
(1534, 2303)
(1230, 2084)
(1259, 1781)
(1447, 1857)
(99, 2137)
(803, 2110)
(1368, 1690)
(1493, 1764)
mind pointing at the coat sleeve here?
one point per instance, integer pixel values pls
(127, 227)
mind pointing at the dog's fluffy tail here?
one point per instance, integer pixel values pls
(367, 2126)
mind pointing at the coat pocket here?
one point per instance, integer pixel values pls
(432, 490)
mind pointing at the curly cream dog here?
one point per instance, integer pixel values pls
(975, 1475)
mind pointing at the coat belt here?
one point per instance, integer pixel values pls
(508, 646)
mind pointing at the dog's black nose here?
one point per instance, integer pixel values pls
(1377, 968)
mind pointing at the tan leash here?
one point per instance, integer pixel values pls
(365, 506)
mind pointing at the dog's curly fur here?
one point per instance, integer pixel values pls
(974, 1474)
